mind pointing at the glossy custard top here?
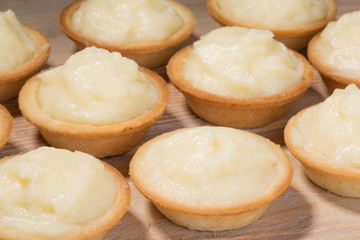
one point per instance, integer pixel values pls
(16, 46)
(275, 13)
(242, 63)
(339, 44)
(193, 164)
(96, 87)
(331, 129)
(126, 20)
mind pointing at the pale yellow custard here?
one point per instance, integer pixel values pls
(339, 45)
(331, 129)
(241, 63)
(96, 87)
(16, 45)
(126, 20)
(193, 164)
(276, 13)
(49, 192)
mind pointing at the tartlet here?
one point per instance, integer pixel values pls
(6, 124)
(101, 140)
(11, 81)
(60, 224)
(231, 111)
(201, 190)
(296, 38)
(328, 73)
(334, 169)
(334, 75)
(146, 54)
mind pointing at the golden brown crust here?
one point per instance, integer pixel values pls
(6, 124)
(12, 81)
(95, 229)
(293, 37)
(250, 210)
(146, 54)
(212, 223)
(236, 112)
(340, 180)
(331, 75)
(100, 141)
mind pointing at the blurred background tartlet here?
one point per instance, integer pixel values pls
(293, 22)
(23, 51)
(335, 52)
(145, 31)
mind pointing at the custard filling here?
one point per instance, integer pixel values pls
(338, 44)
(241, 63)
(96, 87)
(209, 166)
(126, 21)
(16, 45)
(49, 192)
(274, 14)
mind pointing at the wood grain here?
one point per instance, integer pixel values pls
(304, 211)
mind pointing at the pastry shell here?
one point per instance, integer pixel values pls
(100, 141)
(11, 81)
(214, 218)
(336, 179)
(93, 230)
(6, 124)
(236, 112)
(146, 54)
(331, 76)
(296, 38)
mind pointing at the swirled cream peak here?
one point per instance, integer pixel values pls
(339, 44)
(194, 163)
(275, 13)
(242, 63)
(331, 129)
(96, 87)
(126, 20)
(16, 46)
(49, 192)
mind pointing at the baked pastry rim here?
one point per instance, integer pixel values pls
(6, 125)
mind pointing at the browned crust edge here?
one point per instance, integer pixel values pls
(6, 125)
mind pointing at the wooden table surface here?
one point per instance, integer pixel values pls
(304, 211)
